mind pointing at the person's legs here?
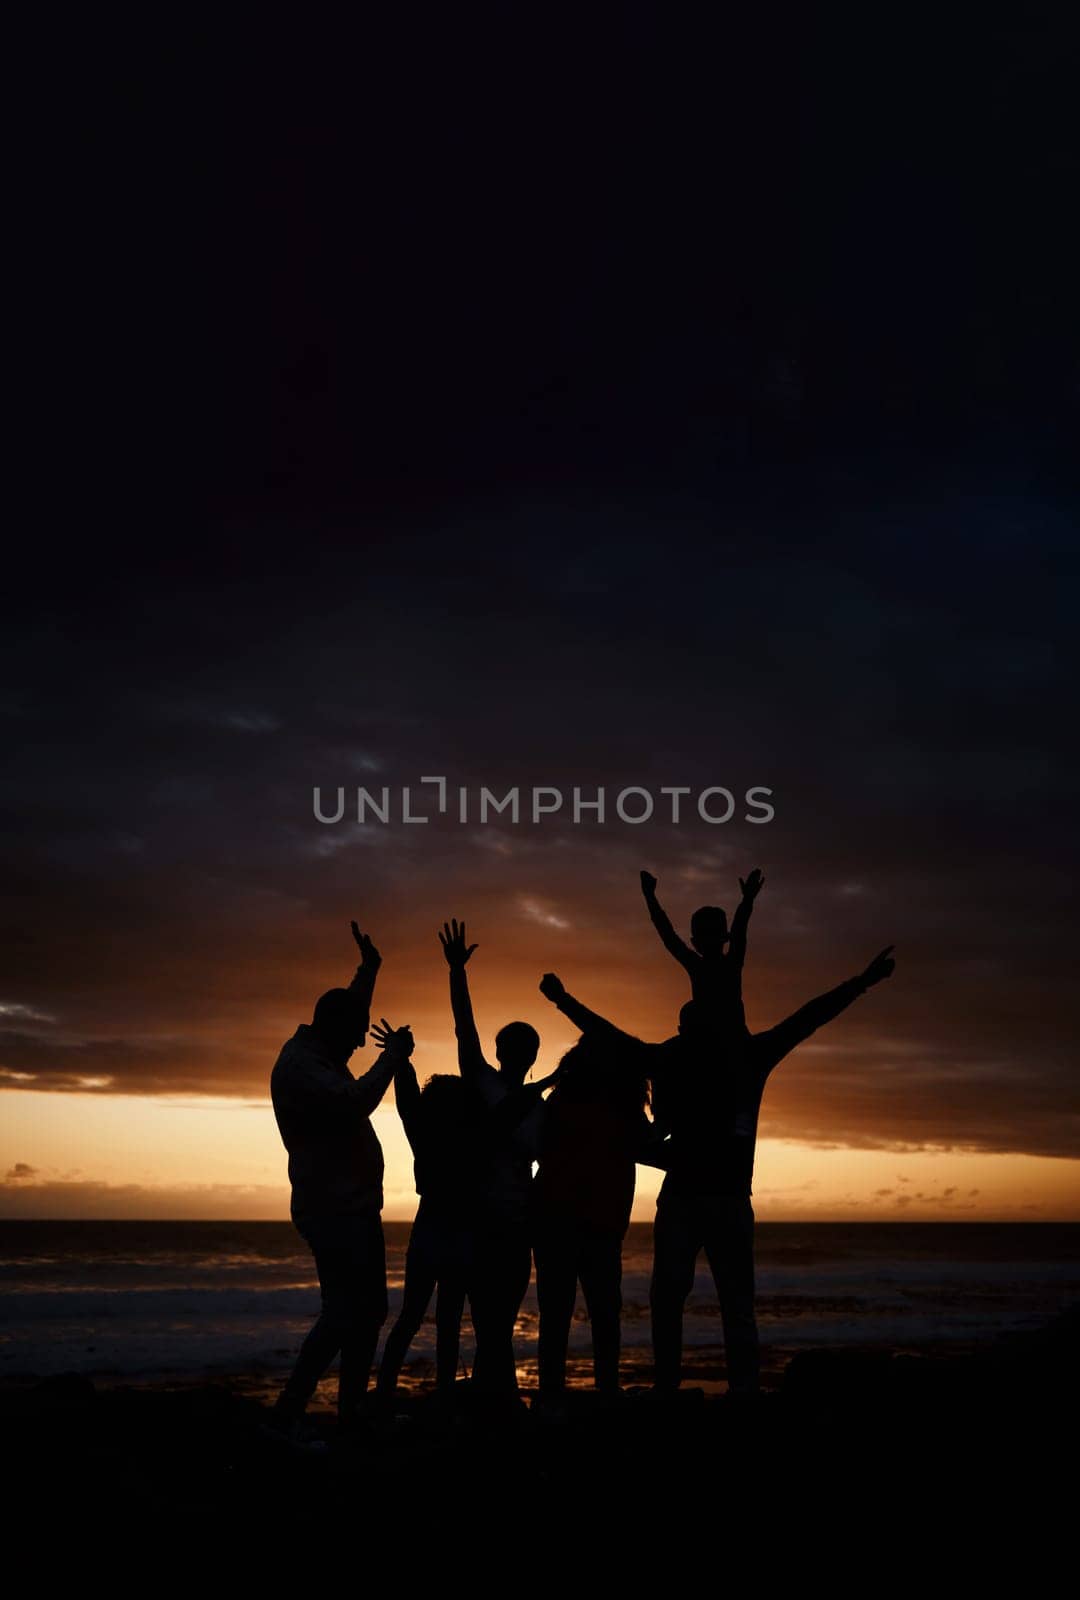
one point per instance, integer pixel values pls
(316, 1354)
(556, 1291)
(324, 1338)
(455, 1271)
(501, 1277)
(600, 1266)
(363, 1311)
(449, 1310)
(677, 1238)
(729, 1245)
(420, 1277)
(350, 1259)
(357, 1359)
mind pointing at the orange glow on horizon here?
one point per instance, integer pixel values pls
(98, 1155)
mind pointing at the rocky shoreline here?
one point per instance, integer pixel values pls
(984, 1431)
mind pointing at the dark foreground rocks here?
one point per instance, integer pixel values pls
(971, 1455)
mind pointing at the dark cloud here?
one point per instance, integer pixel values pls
(586, 486)
(170, 885)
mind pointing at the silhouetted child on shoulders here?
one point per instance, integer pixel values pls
(716, 961)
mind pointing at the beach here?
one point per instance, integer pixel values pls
(930, 1367)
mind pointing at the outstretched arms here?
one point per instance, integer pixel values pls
(662, 923)
(772, 1046)
(457, 952)
(751, 887)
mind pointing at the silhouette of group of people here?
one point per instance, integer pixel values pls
(484, 1218)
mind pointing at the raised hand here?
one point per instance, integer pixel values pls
(452, 939)
(551, 988)
(369, 956)
(399, 1041)
(882, 966)
(752, 886)
(648, 883)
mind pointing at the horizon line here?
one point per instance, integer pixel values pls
(638, 1222)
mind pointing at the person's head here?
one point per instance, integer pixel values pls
(593, 1071)
(445, 1099)
(709, 930)
(706, 1029)
(516, 1048)
(341, 1022)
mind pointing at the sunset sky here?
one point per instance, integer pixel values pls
(698, 447)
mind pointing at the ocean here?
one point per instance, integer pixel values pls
(181, 1302)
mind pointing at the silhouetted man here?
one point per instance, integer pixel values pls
(336, 1170)
(503, 1261)
(707, 1094)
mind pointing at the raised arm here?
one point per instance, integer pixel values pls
(363, 983)
(772, 1046)
(740, 922)
(407, 1095)
(588, 1021)
(662, 923)
(471, 1060)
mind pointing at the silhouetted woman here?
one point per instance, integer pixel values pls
(594, 1130)
(446, 1135)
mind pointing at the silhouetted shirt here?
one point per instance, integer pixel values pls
(324, 1117)
(448, 1152)
(587, 1153)
(506, 1175)
(507, 1165)
(708, 1096)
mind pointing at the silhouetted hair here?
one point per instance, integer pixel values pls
(445, 1094)
(339, 1011)
(599, 1072)
(709, 925)
(520, 1037)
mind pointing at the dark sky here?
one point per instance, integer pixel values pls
(649, 403)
